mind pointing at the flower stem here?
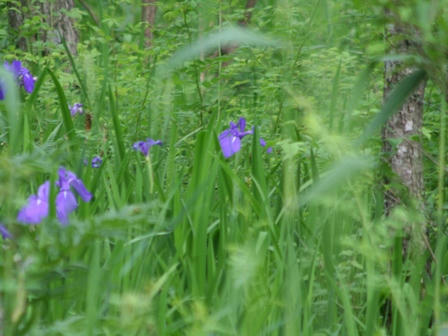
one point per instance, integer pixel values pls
(150, 174)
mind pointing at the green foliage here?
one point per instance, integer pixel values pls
(188, 242)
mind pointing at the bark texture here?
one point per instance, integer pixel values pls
(63, 26)
(15, 20)
(405, 126)
(149, 10)
(250, 5)
(90, 11)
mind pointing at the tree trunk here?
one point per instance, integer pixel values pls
(63, 26)
(404, 126)
(250, 4)
(15, 21)
(401, 148)
(149, 10)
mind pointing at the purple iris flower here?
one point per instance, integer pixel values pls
(230, 139)
(96, 162)
(22, 74)
(4, 232)
(76, 108)
(65, 199)
(2, 93)
(263, 144)
(144, 146)
(37, 206)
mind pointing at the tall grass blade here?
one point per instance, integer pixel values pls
(258, 172)
(117, 126)
(66, 116)
(37, 86)
(75, 70)
(13, 117)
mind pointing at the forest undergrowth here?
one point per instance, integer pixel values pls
(189, 189)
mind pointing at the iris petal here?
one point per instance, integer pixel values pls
(96, 162)
(230, 139)
(21, 74)
(44, 191)
(37, 207)
(242, 124)
(65, 204)
(144, 146)
(64, 181)
(76, 108)
(34, 211)
(81, 189)
(28, 82)
(230, 144)
(68, 179)
(4, 232)
(16, 67)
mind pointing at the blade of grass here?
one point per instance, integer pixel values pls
(66, 116)
(117, 126)
(75, 70)
(13, 116)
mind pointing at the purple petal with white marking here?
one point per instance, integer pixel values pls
(230, 144)
(65, 204)
(37, 206)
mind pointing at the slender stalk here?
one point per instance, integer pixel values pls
(440, 192)
(441, 176)
(150, 174)
(219, 64)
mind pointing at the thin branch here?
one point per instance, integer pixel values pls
(90, 11)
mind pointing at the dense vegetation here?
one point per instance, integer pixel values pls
(186, 237)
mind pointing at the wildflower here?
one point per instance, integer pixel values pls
(230, 139)
(65, 199)
(4, 232)
(2, 93)
(96, 162)
(144, 146)
(263, 144)
(76, 108)
(22, 74)
(37, 206)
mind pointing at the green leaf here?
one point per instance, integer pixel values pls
(66, 117)
(117, 126)
(12, 104)
(258, 172)
(75, 70)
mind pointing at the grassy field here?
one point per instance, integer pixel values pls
(186, 241)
